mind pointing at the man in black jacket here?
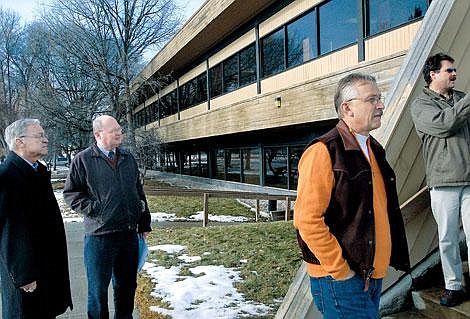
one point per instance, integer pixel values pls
(33, 255)
(104, 185)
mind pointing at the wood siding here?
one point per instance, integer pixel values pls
(197, 109)
(305, 102)
(237, 45)
(391, 42)
(246, 92)
(328, 64)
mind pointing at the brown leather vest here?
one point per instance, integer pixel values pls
(350, 215)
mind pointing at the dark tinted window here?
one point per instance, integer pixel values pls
(154, 111)
(302, 40)
(184, 96)
(168, 104)
(276, 166)
(201, 88)
(215, 75)
(231, 74)
(251, 166)
(233, 164)
(248, 65)
(193, 92)
(338, 24)
(273, 53)
(220, 172)
(386, 14)
(295, 154)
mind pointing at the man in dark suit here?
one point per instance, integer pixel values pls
(33, 251)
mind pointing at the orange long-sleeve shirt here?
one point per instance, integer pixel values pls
(315, 185)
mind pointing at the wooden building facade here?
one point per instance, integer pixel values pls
(248, 84)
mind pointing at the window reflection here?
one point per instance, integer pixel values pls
(220, 172)
(251, 166)
(386, 14)
(248, 65)
(193, 92)
(168, 105)
(233, 164)
(273, 53)
(215, 74)
(338, 24)
(302, 40)
(231, 74)
(294, 158)
(276, 166)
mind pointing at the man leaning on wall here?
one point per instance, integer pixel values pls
(441, 116)
(349, 224)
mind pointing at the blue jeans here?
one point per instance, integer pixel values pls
(346, 299)
(111, 256)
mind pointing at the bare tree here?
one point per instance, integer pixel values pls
(65, 98)
(11, 38)
(111, 36)
(147, 148)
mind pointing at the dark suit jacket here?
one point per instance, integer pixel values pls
(32, 242)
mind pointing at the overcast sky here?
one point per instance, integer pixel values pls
(28, 9)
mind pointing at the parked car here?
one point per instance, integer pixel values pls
(62, 161)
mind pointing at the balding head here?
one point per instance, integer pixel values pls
(107, 132)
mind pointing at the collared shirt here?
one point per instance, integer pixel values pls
(105, 151)
(362, 140)
(449, 99)
(33, 165)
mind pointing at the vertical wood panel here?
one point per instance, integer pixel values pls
(244, 93)
(320, 67)
(391, 42)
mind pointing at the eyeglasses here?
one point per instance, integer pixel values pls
(38, 136)
(114, 131)
(374, 99)
(451, 70)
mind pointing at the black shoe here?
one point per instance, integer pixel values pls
(451, 298)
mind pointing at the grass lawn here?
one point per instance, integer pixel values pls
(187, 206)
(269, 249)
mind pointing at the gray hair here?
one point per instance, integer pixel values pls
(18, 129)
(346, 89)
(98, 122)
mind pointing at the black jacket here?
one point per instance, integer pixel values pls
(110, 198)
(32, 240)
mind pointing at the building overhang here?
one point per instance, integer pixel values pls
(213, 22)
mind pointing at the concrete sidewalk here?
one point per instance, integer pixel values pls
(78, 282)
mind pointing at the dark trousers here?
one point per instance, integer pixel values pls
(111, 256)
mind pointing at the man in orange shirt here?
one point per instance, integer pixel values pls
(347, 216)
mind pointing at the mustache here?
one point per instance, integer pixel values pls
(453, 78)
(380, 113)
